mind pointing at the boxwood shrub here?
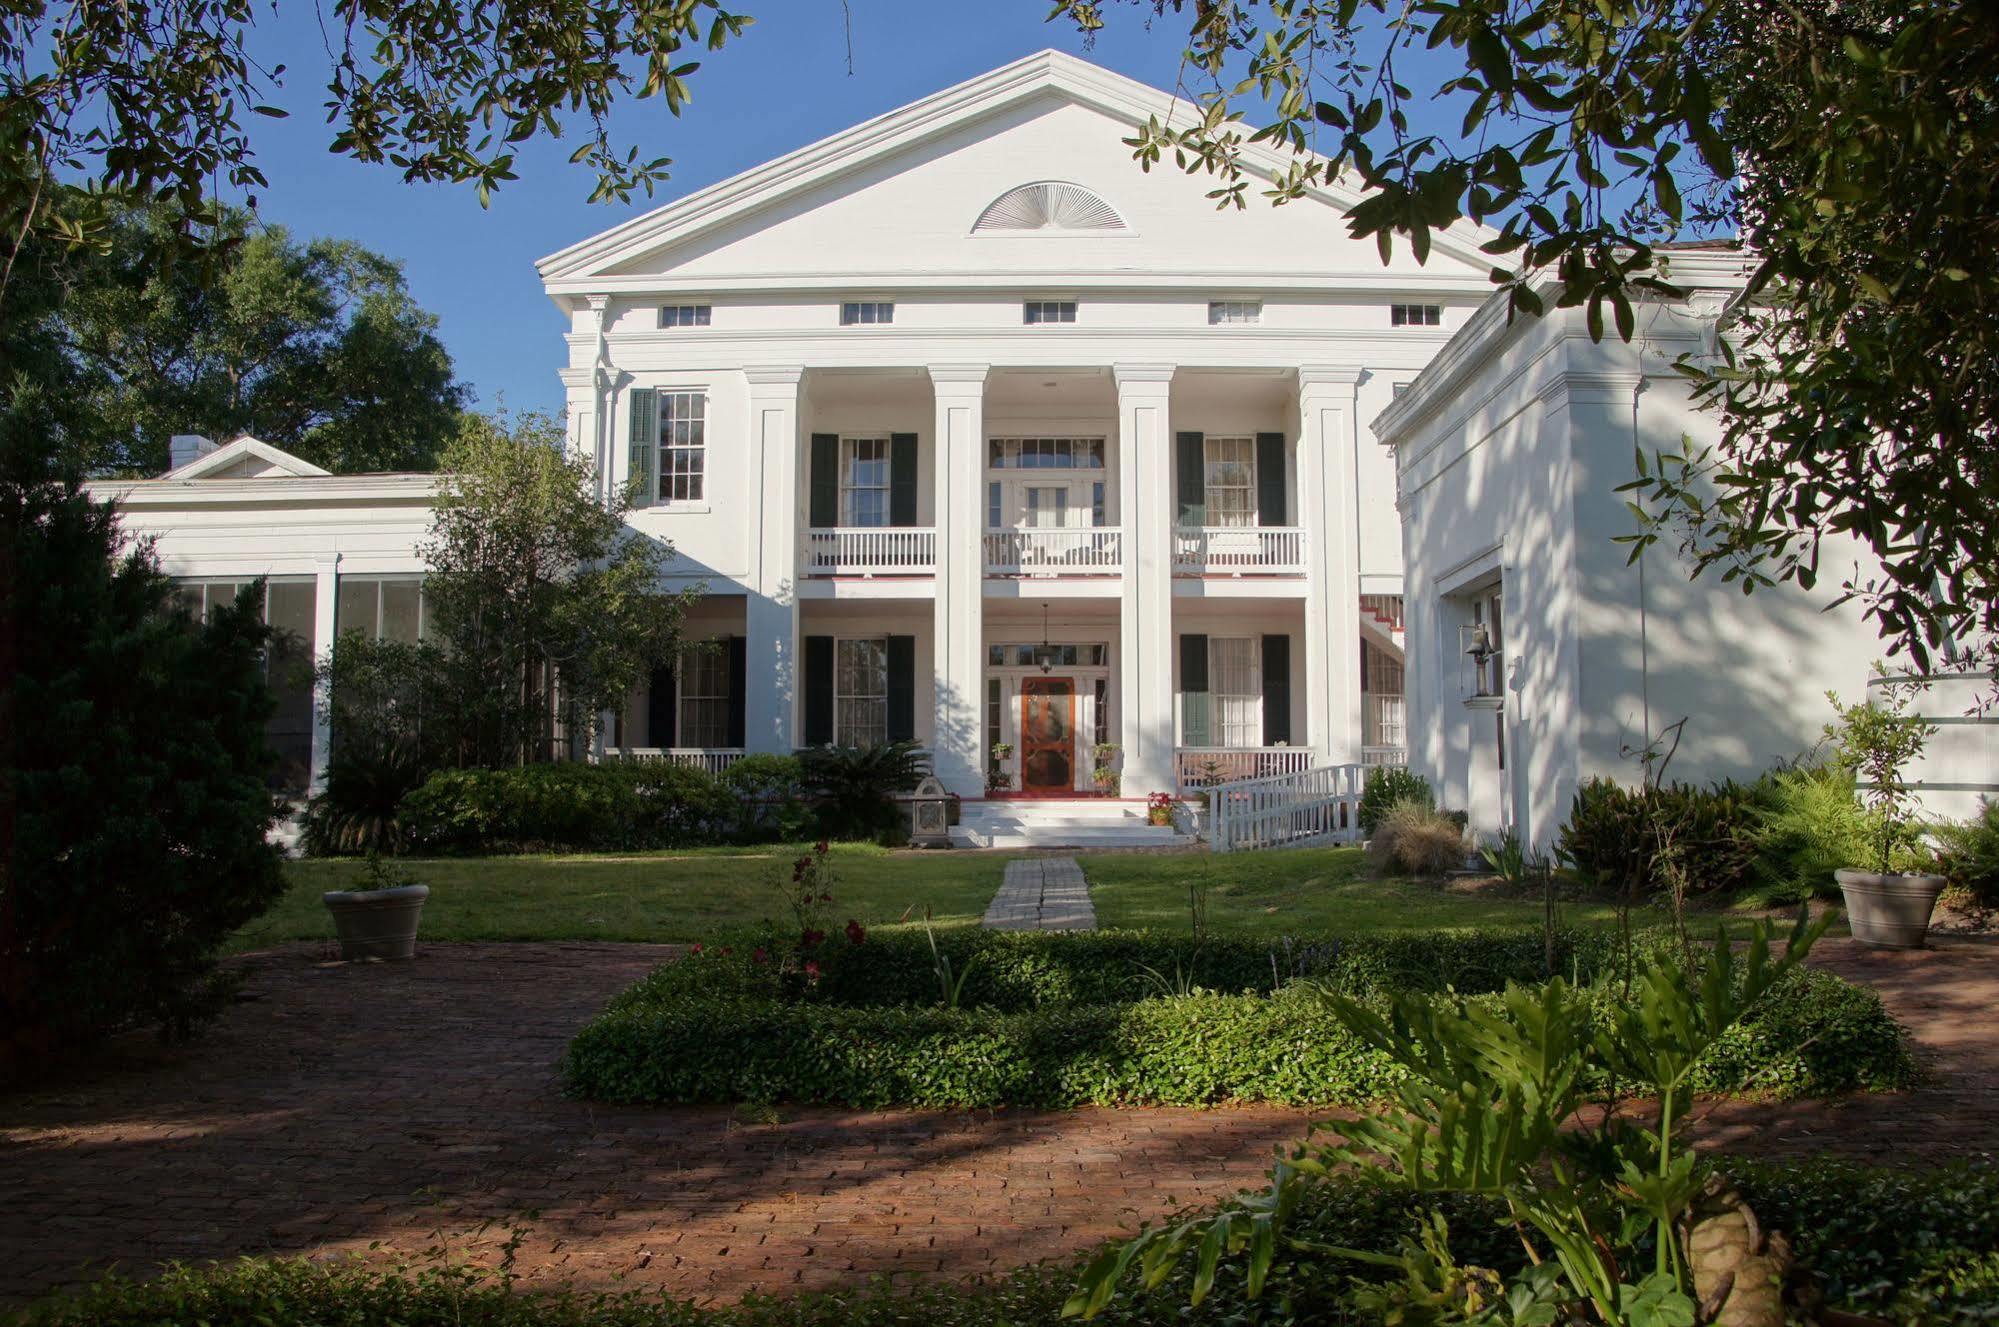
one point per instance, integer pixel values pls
(569, 805)
(1069, 1021)
(1916, 1248)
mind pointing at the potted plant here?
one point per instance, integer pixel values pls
(379, 919)
(998, 779)
(1159, 809)
(1105, 773)
(1885, 907)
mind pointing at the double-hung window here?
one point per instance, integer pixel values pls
(1229, 481)
(704, 696)
(1235, 679)
(864, 481)
(860, 692)
(669, 445)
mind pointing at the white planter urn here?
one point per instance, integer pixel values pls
(1889, 910)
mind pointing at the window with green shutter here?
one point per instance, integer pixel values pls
(643, 437)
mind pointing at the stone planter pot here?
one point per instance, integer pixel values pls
(376, 923)
(1889, 911)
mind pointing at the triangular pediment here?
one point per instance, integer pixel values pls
(1038, 143)
(247, 458)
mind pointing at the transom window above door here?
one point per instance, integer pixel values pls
(1045, 453)
(1229, 480)
(864, 481)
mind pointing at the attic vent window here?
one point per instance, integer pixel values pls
(1049, 205)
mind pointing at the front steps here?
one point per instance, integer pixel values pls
(1095, 823)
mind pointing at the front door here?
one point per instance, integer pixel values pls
(1048, 734)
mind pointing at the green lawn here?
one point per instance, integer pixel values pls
(1296, 890)
(667, 896)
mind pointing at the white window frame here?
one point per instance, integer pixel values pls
(1011, 453)
(867, 313)
(1415, 315)
(1047, 312)
(1234, 312)
(680, 446)
(1241, 511)
(685, 315)
(1235, 692)
(701, 709)
(850, 491)
(860, 709)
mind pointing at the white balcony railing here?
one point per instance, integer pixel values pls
(1197, 767)
(714, 759)
(1384, 755)
(1240, 550)
(1097, 550)
(868, 550)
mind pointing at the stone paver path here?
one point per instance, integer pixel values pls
(408, 1103)
(1042, 894)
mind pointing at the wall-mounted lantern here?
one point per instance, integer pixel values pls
(1476, 643)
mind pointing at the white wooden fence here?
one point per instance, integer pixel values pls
(1314, 806)
(714, 759)
(1198, 767)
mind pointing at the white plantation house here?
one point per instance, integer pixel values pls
(976, 434)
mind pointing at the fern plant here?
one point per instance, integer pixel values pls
(1620, 1227)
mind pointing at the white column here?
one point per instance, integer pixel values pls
(1145, 623)
(770, 618)
(1328, 491)
(325, 607)
(958, 638)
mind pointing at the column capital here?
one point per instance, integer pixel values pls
(1340, 379)
(1136, 375)
(774, 379)
(961, 376)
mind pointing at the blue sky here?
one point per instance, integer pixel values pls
(782, 85)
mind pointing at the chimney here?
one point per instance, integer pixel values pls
(187, 447)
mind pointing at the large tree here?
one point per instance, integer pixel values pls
(155, 97)
(316, 347)
(1852, 147)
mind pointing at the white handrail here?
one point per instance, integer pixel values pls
(1265, 550)
(1095, 550)
(713, 759)
(1311, 806)
(871, 550)
(1196, 767)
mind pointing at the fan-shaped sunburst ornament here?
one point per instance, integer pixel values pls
(1048, 205)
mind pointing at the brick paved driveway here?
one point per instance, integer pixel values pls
(344, 1105)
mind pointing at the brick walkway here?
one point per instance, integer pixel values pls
(341, 1105)
(1042, 894)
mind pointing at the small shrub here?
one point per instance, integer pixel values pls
(1970, 855)
(1413, 838)
(360, 808)
(1388, 786)
(770, 789)
(1615, 837)
(1808, 824)
(854, 788)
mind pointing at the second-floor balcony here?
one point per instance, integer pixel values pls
(870, 550)
(1239, 550)
(1096, 550)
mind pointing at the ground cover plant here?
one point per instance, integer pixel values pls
(682, 896)
(977, 1018)
(1913, 1247)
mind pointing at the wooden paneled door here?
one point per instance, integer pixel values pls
(1048, 735)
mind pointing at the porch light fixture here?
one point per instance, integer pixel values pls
(1477, 643)
(1047, 662)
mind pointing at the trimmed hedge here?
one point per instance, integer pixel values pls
(1064, 1021)
(569, 805)
(1916, 1248)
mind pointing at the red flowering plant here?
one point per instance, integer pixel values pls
(807, 885)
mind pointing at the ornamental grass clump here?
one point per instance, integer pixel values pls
(1414, 838)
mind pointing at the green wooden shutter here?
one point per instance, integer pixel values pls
(825, 480)
(902, 479)
(662, 714)
(1195, 729)
(1191, 475)
(644, 447)
(901, 688)
(818, 691)
(1276, 690)
(739, 715)
(1270, 479)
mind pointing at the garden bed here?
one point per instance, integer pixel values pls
(1110, 1018)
